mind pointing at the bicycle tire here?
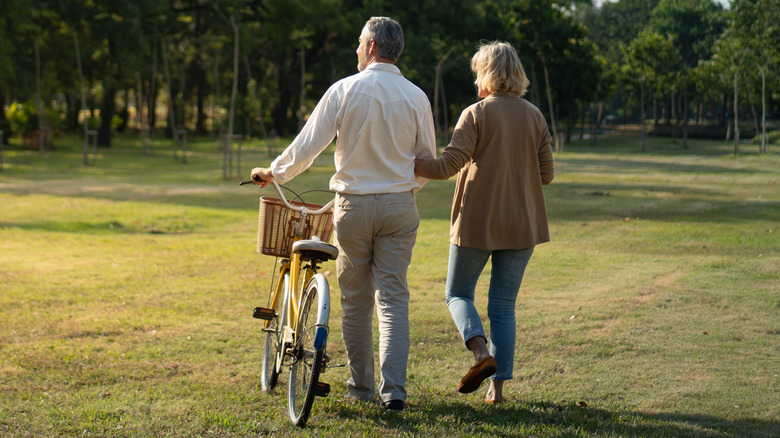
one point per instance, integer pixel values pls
(272, 351)
(309, 350)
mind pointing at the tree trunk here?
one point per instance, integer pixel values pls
(38, 100)
(438, 86)
(124, 112)
(200, 81)
(595, 124)
(169, 85)
(71, 113)
(107, 111)
(83, 95)
(656, 113)
(3, 119)
(699, 113)
(642, 112)
(151, 100)
(235, 75)
(736, 114)
(673, 118)
(283, 103)
(728, 129)
(764, 140)
(534, 82)
(301, 110)
(255, 101)
(556, 138)
(668, 112)
(685, 114)
(218, 93)
(755, 120)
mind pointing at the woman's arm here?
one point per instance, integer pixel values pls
(456, 154)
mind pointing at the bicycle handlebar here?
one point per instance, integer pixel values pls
(303, 209)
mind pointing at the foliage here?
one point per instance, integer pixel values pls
(696, 24)
(290, 51)
(22, 117)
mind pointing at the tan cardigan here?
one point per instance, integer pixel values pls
(501, 146)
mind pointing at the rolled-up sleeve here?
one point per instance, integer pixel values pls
(318, 132)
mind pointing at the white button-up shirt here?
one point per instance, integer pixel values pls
(382, 121)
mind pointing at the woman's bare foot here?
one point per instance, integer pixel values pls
(495, 392)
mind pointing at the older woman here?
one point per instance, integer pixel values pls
(501, 151)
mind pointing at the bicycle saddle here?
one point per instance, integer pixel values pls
(315, 248)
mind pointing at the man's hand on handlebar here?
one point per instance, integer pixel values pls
(261, 176)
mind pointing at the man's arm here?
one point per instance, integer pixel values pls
(316, 135)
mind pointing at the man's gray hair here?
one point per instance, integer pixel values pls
(388, 36)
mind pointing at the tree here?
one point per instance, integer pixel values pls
(616, 23)
(729, 57)
(649, 59)
(547, 37)
(757, 25)
(696, 25)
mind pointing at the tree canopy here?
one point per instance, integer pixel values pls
(271, 60)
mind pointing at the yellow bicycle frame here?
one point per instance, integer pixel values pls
(293, 266)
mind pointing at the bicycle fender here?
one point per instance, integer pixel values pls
(323, 311)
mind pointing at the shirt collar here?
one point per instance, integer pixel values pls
(384, 66)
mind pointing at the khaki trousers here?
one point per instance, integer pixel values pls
(375, 235)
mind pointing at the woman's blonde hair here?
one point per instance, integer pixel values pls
(498, 69)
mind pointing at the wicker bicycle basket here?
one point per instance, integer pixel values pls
(276, 230)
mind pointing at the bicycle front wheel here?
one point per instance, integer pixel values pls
(309, 351)
(272, 352)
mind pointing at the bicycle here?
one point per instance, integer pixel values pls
(296, 319)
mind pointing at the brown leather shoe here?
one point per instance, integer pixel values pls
(477, 374)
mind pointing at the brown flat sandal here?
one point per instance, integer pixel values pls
(477, 374)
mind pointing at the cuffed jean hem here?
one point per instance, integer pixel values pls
(508, 267)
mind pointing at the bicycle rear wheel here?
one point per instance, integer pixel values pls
(272, 352)
(309, 350)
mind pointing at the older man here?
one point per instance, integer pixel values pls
(383, 123)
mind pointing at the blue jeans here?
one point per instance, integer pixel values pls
(508, 267)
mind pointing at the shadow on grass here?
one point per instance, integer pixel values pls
(583, 202)
(101, 227)
(539, 418)
(632, 166)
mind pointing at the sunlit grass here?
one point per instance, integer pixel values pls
(127, 289)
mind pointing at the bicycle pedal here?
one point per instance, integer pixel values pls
(322, 389)
(263, 313)
(340, 365)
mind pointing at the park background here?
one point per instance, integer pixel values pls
(127, 263)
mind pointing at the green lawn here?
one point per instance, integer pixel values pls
(126, 291)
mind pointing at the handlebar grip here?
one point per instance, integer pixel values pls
(254, 179)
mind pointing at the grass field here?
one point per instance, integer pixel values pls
(126, 290)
